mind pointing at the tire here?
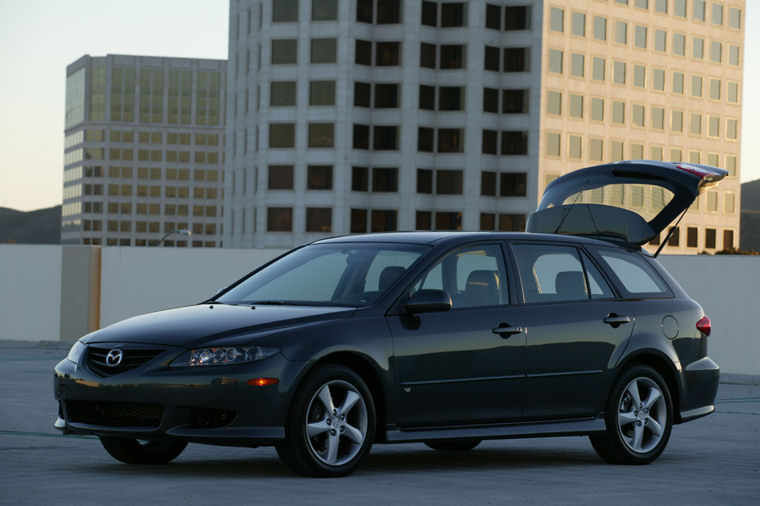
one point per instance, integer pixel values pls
(453, 445)
(639, 418)
(133, 451)
(331, 424)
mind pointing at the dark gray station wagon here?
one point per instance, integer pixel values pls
(444, 338)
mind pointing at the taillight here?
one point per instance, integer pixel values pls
(704, 325)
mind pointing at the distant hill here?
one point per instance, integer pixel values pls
(750, 227)
(42, 226)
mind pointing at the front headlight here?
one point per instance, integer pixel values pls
(75, 352)
(223, 355)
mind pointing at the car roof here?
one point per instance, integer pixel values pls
(453, 237)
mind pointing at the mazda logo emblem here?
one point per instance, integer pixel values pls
(114, 357)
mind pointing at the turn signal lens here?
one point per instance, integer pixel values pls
(704, 325)
(262, 382)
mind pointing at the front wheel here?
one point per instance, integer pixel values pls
(331, 424)
(639, 418)
(134, 451)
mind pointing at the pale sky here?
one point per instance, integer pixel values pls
(39, 38)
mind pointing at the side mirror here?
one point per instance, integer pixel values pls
(428, 301)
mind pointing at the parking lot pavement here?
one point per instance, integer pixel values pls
(714, 460)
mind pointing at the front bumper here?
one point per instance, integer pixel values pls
(213, 405)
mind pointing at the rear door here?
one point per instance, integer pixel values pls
(576, 328)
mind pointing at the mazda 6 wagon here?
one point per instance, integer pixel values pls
(446, 338)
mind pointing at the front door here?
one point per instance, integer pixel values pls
(465, 365)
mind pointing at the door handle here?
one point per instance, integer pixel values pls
(504, 331)
(615, 321)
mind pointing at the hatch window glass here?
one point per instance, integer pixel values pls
(474, 277)
(635, 274)
(555, 274)
(648, 199)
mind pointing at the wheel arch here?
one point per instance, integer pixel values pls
(664, 368)
(366, 370)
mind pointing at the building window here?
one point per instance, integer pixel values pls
(448, 221)
(733, 55)
(713, 126)
(692, 237)
(493, 16)
(698, 48)
(660, 41)
(282, 93)
(716, 51)
(515, 101)
(423, 220)
(280, 177)
(384, 180)
(717, 14)
(284, 51)
(516, 59)
(324, 50)
(639, 76)
(363, 52)
(453, 14)
(361, 137)
(358, 221)
(284, 11)
(318, 219)
(576, 106)
(679, 8)
(556, 19)
(324, 10)
(511, 222)
(491, 58)
(387, 53)
(514, 143)
(658, 79)
(728, 239)
(734, 18)
(424, 181)
(598, 73)
(574, 149)
(385, 138)
(597, 109)
(657, 118)
(452, 57)
(322, 93)
(621, 32)
(488, 183)
(674, 238)
(714, 89)
(321, 135)
(554, 103)
(618, 72)
(678, 82)
(282, 135)
(710, 238)
(427, 55)
(429, 13)
(679, 44)
(490, 100)
(383, 220)
(364, 11)
(386, 96)
(516, 17)
(388, 12)
(600, 28)
(596, 149)
(555, 61)
(577, 65)
(425, 139)
(553, 144)
(279, 219)
(427, 97)
(319, 177)
(579, 24)
(362, 94)
(637, 115)
(451, 98)
(731, 129)
(490, 142)
(676, 121)
(450, 140)
(449, 182)
(359, 179)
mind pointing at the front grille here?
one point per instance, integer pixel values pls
(115, 414)
(132, 358)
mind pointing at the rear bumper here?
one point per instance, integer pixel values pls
(700, 387)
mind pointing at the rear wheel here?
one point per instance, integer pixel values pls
(453, 445)
(639, 418)
(136, 451)
(331, 424)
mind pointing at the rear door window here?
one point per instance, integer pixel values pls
(556, 274)
(636, 276)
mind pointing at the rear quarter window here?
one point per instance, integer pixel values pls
(636, 276)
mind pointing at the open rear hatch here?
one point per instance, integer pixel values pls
(632, 201)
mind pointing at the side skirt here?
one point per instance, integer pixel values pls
(538, 429)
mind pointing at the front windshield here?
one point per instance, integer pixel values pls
(339, 274)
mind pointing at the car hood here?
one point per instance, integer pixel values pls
(211, 324)
(618, 214)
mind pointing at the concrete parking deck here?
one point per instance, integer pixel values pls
(714, 460)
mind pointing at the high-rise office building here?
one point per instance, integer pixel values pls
(144, 151)
(374, 115)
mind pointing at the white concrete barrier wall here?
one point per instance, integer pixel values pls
(728, 288)
(141, 280)
(30, 292)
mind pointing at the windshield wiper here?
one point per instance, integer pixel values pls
(265, 302)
